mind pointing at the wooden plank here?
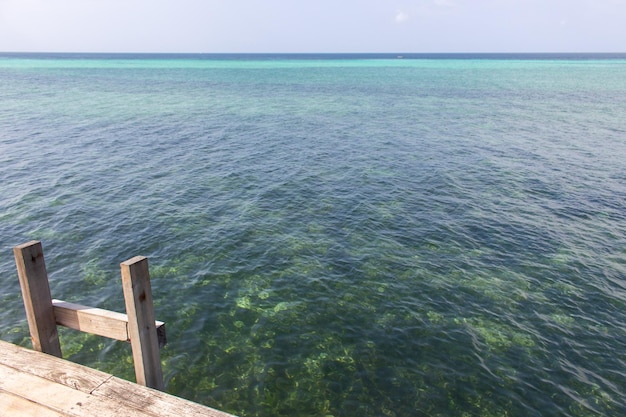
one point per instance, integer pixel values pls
(97, 383)
(98, 321)
(91, 320)
(61, 398)
(141, 328)
(31, 269)
(12, 405)
(157, 402)
(51, 368)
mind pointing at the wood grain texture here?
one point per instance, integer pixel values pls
(51, 368)
(98, 321)
(58, 397)
(31, 270)
(154, 401)
(12, 405)
(91, 320)
(141, 327)
(35, 384)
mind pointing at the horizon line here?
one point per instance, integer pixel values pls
(315, 53)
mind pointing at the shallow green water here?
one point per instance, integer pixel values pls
(334, 236)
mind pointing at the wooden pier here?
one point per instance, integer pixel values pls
(40, 383)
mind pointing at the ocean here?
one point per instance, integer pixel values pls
(334, 235)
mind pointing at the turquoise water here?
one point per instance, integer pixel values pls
(333, 236)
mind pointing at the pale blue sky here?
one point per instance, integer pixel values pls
(313, 25)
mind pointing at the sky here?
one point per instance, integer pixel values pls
(239, 26)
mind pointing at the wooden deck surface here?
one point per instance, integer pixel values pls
(37, 384)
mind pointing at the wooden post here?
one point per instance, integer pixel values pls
(141, 327)
(31, 269)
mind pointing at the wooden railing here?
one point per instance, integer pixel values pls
(138, 326)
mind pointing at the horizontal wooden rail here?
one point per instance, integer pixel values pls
(98, 321)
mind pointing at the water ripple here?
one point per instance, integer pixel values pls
(401, 239)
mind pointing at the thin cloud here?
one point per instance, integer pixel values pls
(401, 17)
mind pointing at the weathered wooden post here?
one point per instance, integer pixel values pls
(31, 269)
(141, 324)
